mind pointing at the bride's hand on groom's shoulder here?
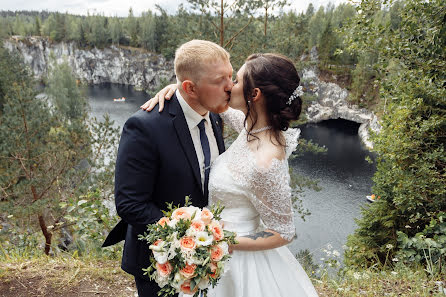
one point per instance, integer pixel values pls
(164, 94)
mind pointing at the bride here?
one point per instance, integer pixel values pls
(251, 179)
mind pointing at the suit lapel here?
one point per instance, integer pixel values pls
(217, 128)
(183, 133)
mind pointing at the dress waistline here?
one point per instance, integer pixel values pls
(241, 227)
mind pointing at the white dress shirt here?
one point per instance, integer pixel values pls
(193, 118)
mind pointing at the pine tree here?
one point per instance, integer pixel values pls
(411, 147)
(39, 154)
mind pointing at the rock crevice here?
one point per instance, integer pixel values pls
(331, 103)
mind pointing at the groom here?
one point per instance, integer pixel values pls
(165, 156)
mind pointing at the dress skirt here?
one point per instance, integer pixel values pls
(270, 273)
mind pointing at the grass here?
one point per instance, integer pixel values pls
(400, 282)
(70, 275)
(63, 275)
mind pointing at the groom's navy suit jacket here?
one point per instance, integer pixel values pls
(156, 163)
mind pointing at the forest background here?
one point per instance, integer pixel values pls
(390, 55)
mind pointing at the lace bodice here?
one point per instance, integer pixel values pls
(253, 195)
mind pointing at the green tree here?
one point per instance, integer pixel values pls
(315, 27)
(38, 155)
(99, 34)
(50, 156)
(132, 28)
(327, 44)
(37, 26)
(13, 71)
(69, 99)
(148, 31)
(19, 26)
(289, 35)
(268, 6)
(116, 31)
(226, 12)
(411, 160)
(310, 10)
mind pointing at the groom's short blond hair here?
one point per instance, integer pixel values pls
(192, 56)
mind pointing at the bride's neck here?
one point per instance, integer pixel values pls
(261, 122)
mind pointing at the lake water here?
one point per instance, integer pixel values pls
(343, 173)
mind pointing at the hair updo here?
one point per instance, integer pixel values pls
(277, 78)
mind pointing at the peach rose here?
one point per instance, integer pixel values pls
(187, 243)
(164, 269)
(185, 288)
(156, 243)
(163, 221)
(159, 244)
(188, 271)
(216, 253)
(214, 269)
(197, 225)
(181, 213)
(216, 230)
(206, 216)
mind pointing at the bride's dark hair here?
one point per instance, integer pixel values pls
(277, 78)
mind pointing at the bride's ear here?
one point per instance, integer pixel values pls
(256, 94)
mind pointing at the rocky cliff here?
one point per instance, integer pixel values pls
(331, 103)
(114, 64)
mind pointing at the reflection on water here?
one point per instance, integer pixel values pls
(343, 173)
(345, 178)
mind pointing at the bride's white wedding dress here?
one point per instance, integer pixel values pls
(255, 199)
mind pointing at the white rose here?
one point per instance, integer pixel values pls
(203, 284)
(161, 280)
(224, 246)
(194, 260)
(203, 238)
(178, 280)
(195, 210)
(172, 223)
(192, 232)
(160, 257)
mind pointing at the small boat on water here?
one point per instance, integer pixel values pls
(122, 99)
(372, 198)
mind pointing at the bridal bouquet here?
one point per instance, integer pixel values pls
(189, 249)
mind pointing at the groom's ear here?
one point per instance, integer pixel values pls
(189, 87)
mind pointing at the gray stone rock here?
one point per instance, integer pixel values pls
(142, 69)
(331, 103)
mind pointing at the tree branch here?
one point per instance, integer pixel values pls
(216, 27)
(54, 179)
(230, 6)
(238, 33)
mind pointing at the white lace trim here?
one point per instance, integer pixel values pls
(267, 189)
(291, 139)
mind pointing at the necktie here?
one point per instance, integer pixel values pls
(207, 156)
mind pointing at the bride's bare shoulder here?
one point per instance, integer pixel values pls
(269, 152)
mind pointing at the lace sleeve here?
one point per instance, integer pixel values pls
(235, 118)
(291, 140)
(273, 198)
